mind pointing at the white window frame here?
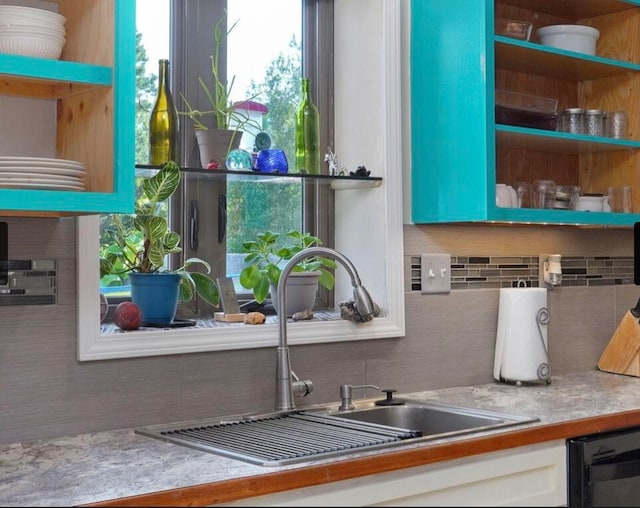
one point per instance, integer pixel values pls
(368, 226)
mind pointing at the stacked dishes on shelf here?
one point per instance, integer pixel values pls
(41, 173)
(29, 31)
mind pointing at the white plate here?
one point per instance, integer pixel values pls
(27, 185)
(40, 161)
(6, 176)
(42, 170)
(40, 181)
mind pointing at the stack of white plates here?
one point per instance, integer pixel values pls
(41, 173)
(31, 32)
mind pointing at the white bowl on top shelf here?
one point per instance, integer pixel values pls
(30, 43)
(54, 31)
(579, 38)
(19, 15)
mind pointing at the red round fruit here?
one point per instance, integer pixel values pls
(127, 316)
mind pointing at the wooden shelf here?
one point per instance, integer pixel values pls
(559, 142)
(575, 9)
(49, 79)
(563, 217)
(531, 58)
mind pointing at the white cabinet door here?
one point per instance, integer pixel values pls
(528, 476)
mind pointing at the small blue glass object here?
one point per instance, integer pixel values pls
(272, 161)
(239, 160)
(262, 141)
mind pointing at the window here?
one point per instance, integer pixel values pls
(216, 215)
(368, 106)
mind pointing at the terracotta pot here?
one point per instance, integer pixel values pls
(215, 144)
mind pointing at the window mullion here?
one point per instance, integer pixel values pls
(191, 46)
(317, 65)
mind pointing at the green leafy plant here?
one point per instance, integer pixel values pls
(266, 254)
(143, 245)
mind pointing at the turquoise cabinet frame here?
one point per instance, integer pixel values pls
(60, 79)
(453, 57)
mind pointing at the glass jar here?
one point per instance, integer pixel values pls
(543, 194)
(573, 120)
(616, 124)
(594, 122)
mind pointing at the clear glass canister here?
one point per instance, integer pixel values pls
(594, 122)
(573, 120)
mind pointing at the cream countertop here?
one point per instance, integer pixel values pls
(102, 466)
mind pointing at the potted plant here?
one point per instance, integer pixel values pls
(215, 143)
(139, 251)
(265, 258)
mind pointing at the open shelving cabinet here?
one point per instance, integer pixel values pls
(459, 153)
(93, 86)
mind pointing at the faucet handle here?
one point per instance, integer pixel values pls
(302, 387)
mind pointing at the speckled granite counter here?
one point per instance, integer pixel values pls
(97, 467)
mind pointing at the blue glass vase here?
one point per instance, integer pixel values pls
(273, 160)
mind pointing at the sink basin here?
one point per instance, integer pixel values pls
(280, 438)
(430, 419)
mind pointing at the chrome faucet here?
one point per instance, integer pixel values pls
(287, 383)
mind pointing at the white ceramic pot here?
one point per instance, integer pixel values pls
(580, 38)
(302, 289)
(215, 144)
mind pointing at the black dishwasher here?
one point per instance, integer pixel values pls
(604, 469)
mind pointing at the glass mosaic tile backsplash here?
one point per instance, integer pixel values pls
(482, 272)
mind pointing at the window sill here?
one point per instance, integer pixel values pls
(153, 342)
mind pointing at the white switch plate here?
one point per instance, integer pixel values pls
(435, 273)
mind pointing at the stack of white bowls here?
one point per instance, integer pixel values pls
(31, 32)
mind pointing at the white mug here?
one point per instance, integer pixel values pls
(506, 196)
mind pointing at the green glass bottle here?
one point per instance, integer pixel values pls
(163, 122)
(307, 134)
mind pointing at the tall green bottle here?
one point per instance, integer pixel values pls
(163, 122)
(307, 134)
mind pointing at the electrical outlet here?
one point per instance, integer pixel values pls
(435, 273)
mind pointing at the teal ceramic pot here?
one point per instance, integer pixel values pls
(157, 296)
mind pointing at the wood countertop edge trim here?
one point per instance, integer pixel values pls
(382, 462)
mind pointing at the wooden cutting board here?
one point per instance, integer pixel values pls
(622, 354)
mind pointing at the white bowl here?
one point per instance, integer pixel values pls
(579, 38)
(16, 14)
(589, 203)
(32, 44)
(31, 29)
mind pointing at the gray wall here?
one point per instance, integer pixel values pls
(46, 392)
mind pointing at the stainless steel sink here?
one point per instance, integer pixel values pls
(324, 431)
(432, 420)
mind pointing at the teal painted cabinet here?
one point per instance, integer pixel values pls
(93, 87)
(459, 152)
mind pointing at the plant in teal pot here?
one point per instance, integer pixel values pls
(140, 251)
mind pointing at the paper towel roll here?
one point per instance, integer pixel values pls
(521, 338)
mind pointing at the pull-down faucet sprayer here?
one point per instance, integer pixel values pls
(287, 383)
